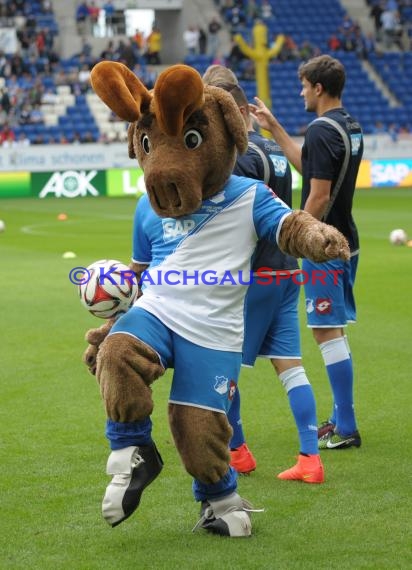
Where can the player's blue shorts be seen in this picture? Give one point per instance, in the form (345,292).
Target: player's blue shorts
(203,377)
(271,319)
(330,302)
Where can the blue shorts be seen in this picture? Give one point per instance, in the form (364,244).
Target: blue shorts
(203,377)
(330,302)
(271,320)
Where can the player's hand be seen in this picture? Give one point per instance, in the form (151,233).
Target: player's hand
(95,337)
(262,115)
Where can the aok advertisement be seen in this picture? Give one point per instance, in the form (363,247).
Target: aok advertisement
(69,184)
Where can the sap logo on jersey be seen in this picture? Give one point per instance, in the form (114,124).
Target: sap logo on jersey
(356,140)
(280,163)
(173,229)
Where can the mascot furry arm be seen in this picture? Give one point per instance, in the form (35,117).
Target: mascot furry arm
(185,136)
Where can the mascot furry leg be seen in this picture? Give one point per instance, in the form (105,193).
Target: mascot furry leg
(126,367)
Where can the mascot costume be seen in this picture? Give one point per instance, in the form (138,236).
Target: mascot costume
(194,235)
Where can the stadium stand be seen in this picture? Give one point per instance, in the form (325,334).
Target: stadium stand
(311,30)
(46,98)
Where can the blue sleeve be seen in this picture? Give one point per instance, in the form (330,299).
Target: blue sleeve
(142,251)
(269,212)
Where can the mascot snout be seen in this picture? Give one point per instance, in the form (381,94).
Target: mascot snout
(172,193)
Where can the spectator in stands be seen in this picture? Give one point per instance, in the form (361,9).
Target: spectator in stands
(289,50)
(24,114)
(334,43)
(46,7)
(5,100)
(364,45)
(252,12)
(213,40)
(307,50)
(87,137)
(236,19)
(266,10)
(127,53)
(137,42)
(235,57)
(154,46)
(84,76)
(94,12)
(108,17)
(109,52)
(82,18)
(391,28)
(49,97)
(376,12)
(17,64)
(191,40)
(6,133)
(39,139)
(36,115)
(202,41)
(22,140)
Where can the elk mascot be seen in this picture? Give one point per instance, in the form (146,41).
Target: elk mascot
(194,235)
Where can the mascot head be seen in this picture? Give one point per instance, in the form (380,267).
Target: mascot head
(184,134)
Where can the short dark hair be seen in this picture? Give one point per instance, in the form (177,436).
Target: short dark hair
(327,71)
(236,91)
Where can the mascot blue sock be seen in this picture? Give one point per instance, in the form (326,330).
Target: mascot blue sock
(125,434)
(225,486)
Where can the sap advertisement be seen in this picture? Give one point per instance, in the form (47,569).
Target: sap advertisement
(385,173)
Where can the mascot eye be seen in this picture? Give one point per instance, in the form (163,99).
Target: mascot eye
(145,142)
(193,139)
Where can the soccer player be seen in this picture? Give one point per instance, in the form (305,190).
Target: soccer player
(271,316)
(329,162)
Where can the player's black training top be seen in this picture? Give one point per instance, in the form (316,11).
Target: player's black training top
(251,165)
(323,153)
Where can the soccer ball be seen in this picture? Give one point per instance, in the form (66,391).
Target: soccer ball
(109,288)
(398,237)
(2,226)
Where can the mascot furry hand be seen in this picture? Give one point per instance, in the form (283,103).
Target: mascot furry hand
(195,231)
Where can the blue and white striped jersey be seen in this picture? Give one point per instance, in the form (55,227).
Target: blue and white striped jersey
(200,264)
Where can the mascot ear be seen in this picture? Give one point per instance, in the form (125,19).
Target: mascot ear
(178,91)
(232,116)
(120,89)
(130,145)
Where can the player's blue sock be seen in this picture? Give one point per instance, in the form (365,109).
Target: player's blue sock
(339,367)
(125,434)
(333,415)
(303,406)
(235,421)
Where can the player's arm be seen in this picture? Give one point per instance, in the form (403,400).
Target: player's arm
(318,198)
(266,120)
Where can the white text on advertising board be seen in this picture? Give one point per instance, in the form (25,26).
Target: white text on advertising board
(70,184)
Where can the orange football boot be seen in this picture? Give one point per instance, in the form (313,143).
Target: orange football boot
(308,469)
(242,460)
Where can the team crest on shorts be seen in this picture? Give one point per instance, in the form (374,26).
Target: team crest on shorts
(309,306)
(323,306)
(221,384)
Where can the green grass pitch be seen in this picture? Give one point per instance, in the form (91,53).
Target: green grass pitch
(53,449)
